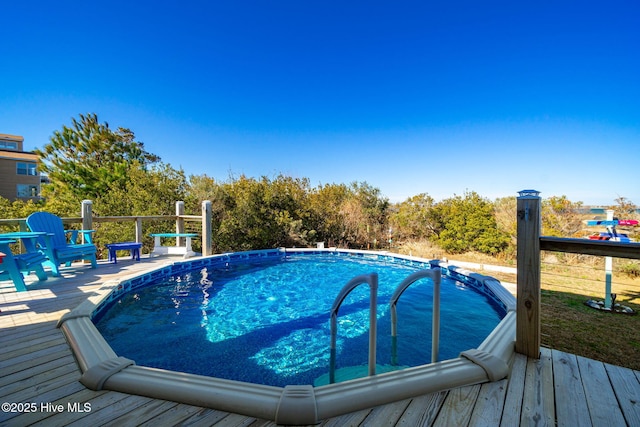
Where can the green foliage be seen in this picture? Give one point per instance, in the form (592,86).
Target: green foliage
(504,210)
(626,209)
(199,188)
(251,214)
(147,192)
(257,214)
(468,224)
(87,159)
(631,269)
(326,216)
(90,161)
(17,209)
(561,217)
(413,219)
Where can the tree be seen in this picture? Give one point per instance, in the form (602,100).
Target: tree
(468,224)
(17,209)
(152,191)
(199,189)
(88,158)
(350,216)
(505,213)
(412,219)
(326,218)
(373,218)
(561,217)
(257,214)
(626,209)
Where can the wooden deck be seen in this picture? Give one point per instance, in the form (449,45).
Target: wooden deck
(39,376)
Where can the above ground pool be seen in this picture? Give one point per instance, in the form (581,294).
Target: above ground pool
(250,332)
(266,320)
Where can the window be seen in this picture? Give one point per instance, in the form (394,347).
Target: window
(9,145)
(27,190)
(26,169)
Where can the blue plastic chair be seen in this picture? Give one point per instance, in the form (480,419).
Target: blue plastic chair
(55,245)
(12,266)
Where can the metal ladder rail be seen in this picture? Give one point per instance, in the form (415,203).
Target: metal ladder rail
(436,275)
(372,280)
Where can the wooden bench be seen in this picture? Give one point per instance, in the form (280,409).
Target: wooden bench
(185,250)
(132,247)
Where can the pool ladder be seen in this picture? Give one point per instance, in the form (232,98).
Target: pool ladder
(372,280)
(436,275)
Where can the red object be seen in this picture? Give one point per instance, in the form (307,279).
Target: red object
(1,257)
(599,237)
(628,222)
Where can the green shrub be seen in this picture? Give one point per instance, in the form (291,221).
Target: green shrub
(631,269)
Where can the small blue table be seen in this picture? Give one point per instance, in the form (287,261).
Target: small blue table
(133,247)
(13,266)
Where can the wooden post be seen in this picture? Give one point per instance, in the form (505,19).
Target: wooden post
(179,222)
(87,216)
(139,230)
(207,241)
(528,287)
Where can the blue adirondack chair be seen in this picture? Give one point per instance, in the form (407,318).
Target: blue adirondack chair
(55,245)
(12,266)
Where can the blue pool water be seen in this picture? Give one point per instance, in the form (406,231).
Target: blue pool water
(268,322)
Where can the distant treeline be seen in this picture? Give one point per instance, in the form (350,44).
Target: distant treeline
(91,161)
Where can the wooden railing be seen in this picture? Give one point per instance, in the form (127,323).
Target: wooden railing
(88,219)
(530,243)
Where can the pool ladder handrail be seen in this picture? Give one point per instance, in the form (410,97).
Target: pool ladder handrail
(436,275)
(372,280)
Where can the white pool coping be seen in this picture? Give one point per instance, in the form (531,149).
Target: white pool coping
(103,369)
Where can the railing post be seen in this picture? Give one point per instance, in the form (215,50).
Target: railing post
(179,222)
(87,216)
(138,230)
(207,240)
(528,276)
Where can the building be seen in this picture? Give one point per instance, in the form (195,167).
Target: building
(19,176)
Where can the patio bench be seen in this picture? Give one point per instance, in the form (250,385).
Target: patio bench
(186,251)
(132,247)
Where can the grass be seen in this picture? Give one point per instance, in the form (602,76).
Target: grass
(567,324)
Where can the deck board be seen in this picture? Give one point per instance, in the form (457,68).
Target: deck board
(458,406)
(36,365)
(490,404)
(601,399)
(627,389)
(538,404)
(572,409)
(423,410)
(515,392)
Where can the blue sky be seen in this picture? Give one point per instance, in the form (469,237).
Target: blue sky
(411,97)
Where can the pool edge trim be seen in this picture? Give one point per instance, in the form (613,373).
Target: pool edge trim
(102,369)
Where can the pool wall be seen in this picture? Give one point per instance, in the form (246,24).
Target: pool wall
(103,369)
